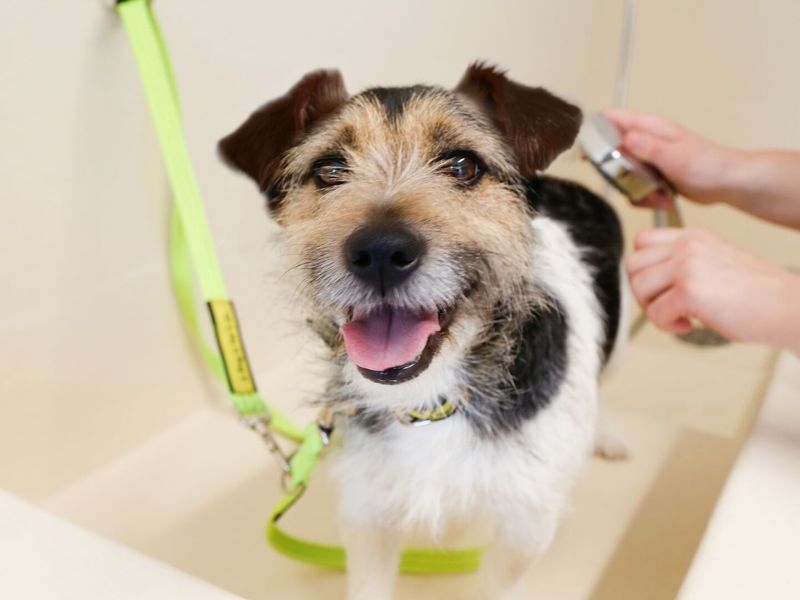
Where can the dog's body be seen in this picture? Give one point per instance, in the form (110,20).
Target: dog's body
(442,270)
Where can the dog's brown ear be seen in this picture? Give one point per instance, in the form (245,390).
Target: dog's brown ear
(537,125)
(257,145)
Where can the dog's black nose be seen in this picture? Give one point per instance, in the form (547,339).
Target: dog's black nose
(384,254)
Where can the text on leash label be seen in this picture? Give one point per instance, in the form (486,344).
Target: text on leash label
(229,339)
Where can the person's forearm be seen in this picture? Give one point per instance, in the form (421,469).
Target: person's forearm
(766,184)
(789,336)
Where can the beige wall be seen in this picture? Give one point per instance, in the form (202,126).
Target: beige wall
(93,358)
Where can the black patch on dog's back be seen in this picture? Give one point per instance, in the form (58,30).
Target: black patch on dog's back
(394,99)
(535,374)
(596,229)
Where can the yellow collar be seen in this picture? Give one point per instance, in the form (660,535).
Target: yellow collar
(425,417)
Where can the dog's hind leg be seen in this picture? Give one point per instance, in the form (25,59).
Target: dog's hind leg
(373,553)
(609,443)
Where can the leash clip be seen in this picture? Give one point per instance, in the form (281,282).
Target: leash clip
(260,424)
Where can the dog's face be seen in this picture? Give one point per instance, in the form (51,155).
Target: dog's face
(404,206)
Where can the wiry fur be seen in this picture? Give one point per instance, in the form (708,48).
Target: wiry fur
(530,267)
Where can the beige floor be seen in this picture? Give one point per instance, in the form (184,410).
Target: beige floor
(197,495)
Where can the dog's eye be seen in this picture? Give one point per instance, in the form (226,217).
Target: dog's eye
(464,166)
(329,171)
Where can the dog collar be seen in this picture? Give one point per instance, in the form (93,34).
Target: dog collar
(418,418)
(414,418)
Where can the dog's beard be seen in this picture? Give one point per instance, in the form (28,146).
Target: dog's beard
(393,338)
(391,345)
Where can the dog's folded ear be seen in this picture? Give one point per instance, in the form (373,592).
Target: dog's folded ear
(537,125)
(257,146)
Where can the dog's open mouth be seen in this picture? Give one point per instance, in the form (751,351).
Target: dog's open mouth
(391,344)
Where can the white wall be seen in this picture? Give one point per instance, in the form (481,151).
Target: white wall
(93,357)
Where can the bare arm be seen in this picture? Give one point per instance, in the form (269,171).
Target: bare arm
(764,183)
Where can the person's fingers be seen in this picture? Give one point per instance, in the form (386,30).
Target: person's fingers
(681,326)
(670,312)
(649,148)
(648,283)
(657,236)
(652,124)
(647,257)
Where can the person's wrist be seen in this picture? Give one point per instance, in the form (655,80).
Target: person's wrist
(739,177)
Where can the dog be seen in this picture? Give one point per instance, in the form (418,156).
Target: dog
(469,303)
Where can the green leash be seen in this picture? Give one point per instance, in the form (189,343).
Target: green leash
(191,253)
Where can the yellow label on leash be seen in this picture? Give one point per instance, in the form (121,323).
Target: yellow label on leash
(226,328)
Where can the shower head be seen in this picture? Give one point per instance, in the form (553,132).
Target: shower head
(602,145)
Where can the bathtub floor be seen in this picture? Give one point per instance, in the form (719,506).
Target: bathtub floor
(197,495)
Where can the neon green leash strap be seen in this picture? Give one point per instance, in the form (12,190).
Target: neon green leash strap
(191,246)
(190,240)
(415,561)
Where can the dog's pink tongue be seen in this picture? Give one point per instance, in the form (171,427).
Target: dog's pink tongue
(388,337)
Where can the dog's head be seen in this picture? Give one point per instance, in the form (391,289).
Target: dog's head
(405,206)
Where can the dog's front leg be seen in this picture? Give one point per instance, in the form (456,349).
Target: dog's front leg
(373,552)
(519,541)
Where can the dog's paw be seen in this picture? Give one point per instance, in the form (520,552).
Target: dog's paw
(610,446)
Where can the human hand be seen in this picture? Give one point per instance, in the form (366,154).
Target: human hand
(698,168)
(682,274)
